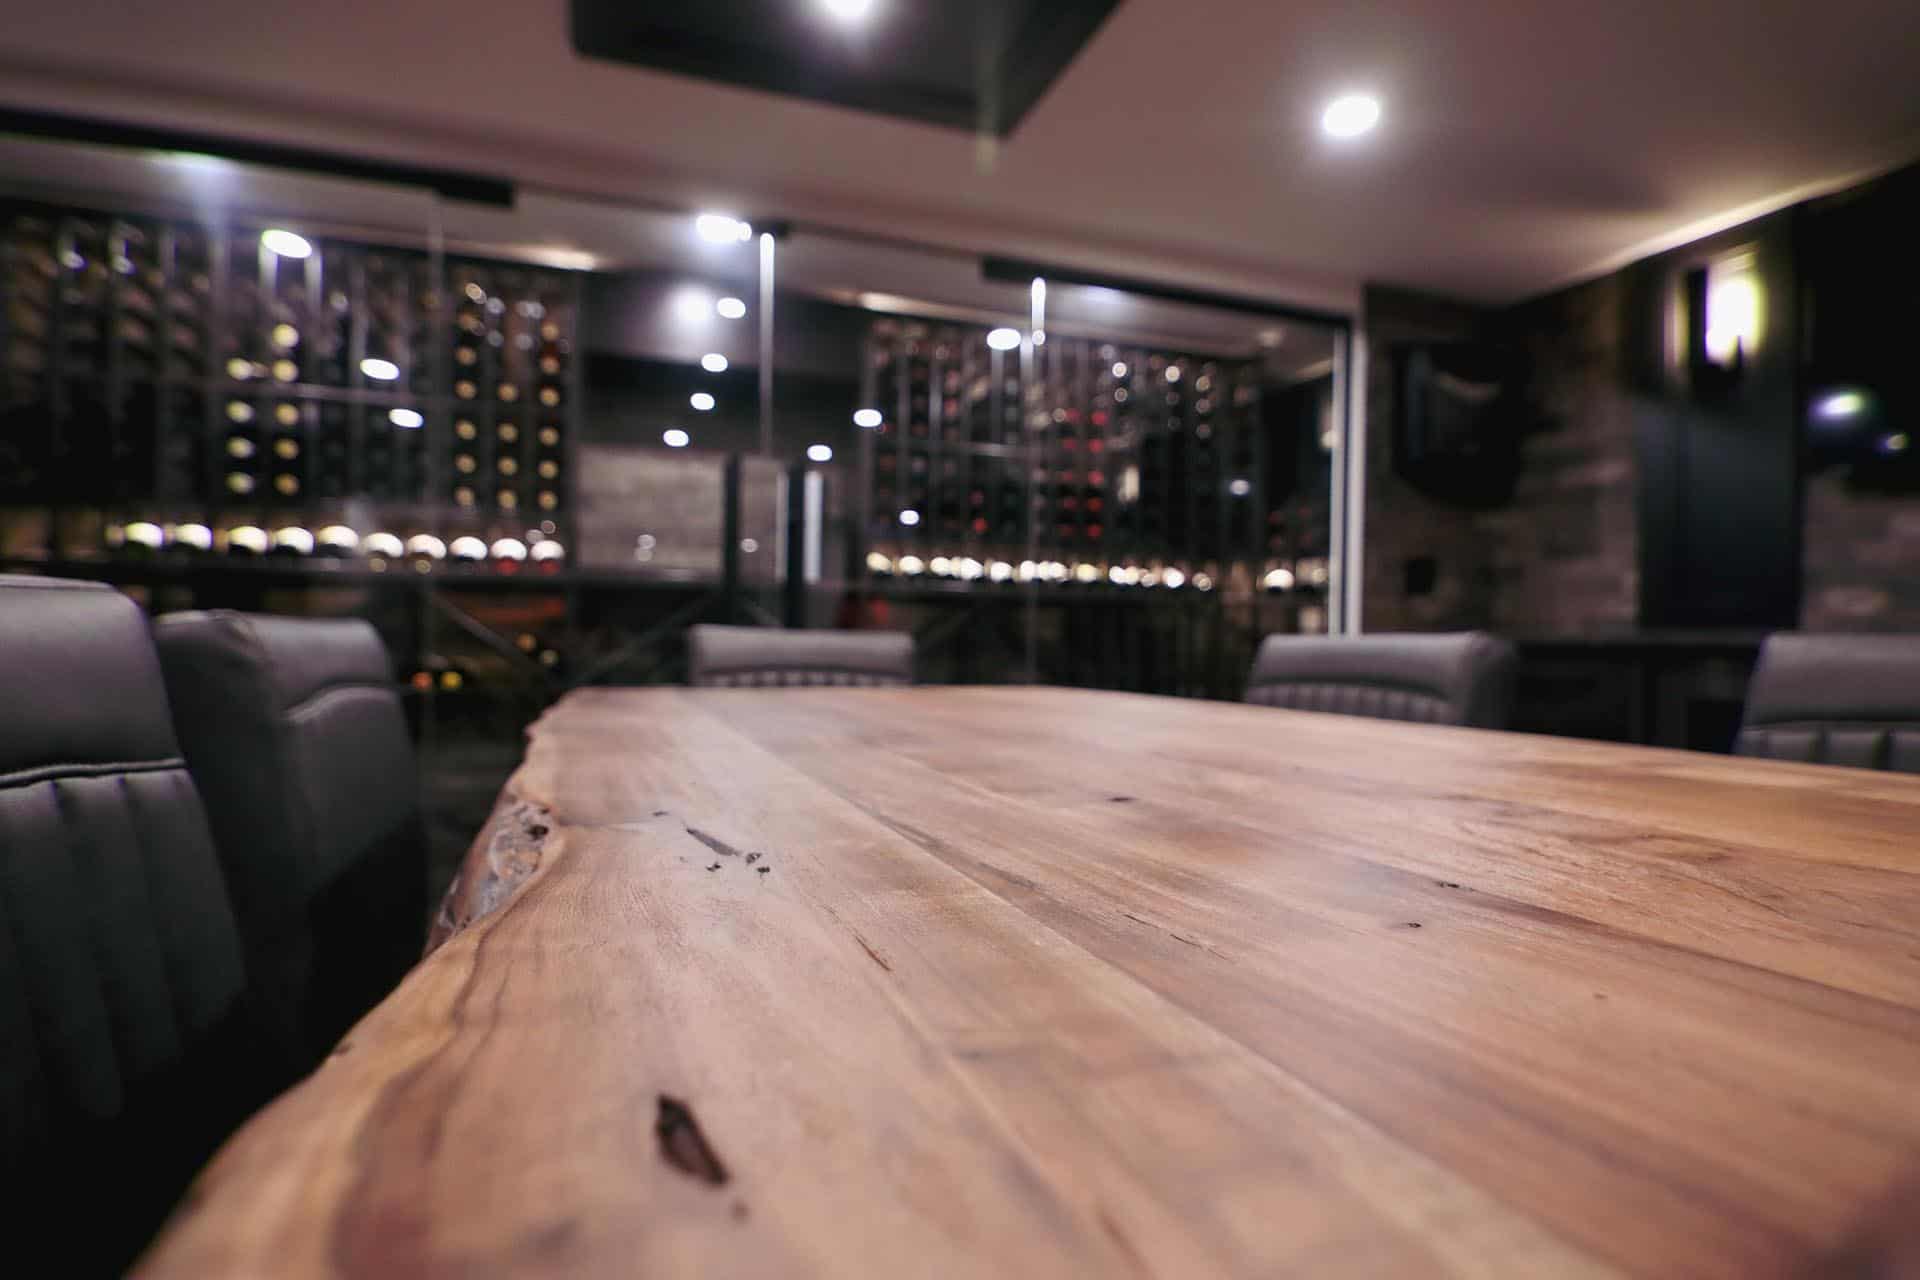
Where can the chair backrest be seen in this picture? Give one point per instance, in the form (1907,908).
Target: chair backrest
(296,736)
(770,656)
(126,1051)
(1464,678)
(1827,699)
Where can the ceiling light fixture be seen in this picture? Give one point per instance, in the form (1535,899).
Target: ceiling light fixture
(868,418)
(909,517)
(409,418)
(701,401)
(1350,115)
(730,308)
(1004,339)
(1840,406)
(675,438)
(848,10)
(713,362)
(722,228)
(380,370)
(820,453)
(285,243)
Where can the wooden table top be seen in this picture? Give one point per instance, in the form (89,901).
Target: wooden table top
(1039,982)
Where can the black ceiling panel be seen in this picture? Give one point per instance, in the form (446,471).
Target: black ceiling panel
(968,64)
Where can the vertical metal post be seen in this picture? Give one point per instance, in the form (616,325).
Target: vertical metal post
(1031,454)
(1337,565)
(794,597)
(766,344)
(730,538)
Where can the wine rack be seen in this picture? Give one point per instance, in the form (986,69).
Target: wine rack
(1081,462)
(201,380)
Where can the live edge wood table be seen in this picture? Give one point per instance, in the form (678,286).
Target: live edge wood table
(1029,982)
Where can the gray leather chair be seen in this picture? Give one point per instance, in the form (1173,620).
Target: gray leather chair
(1833,699)
(766,656)
(294,732)
(1464,678)
(127,1050)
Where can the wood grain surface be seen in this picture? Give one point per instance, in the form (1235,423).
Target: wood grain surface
(1032,982)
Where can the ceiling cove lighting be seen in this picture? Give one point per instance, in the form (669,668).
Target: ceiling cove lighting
(820,453)
(675,438)
(868,418)
(701,401)
(713,362)
(722,228)
(1004,339)
(1350,115)
(285,243)
(380,370)
(730,308)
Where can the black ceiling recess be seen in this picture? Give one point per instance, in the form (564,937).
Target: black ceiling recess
(968,64)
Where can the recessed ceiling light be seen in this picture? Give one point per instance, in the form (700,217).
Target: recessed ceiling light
(868,418)
(820,453)
(675,438)
(722,228)
(713,362)
(1840,406)
(730,308)
(909,517)
(1004,339)
(405,417)
(1351,115)
(380,370)
(286,243)
(848,10)
(701,400)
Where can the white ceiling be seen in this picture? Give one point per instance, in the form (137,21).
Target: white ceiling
(1526,143)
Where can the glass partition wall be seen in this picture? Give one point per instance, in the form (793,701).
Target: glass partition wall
(533,439)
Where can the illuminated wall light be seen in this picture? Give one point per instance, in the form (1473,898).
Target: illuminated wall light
(909,517)
(1203,582)
(383,544)
(548,550)
(999,571)
(1086,573)
(1004,339)
(730,308)
(722,228)
(942,567)
(426,546)
(411,419)
(1174,578)
(1898,442)
(247,537)
(877,562)
(195,536)
(819,453)
(1028,571)
(848,10)
(972,570)
(145,533)
(338,537)
(508,549)
(693,306)
(867,418)
(713,362)
(1279,580)
(468,548)
(1120,369)
(1149,577)
(295,539)
(912,566)
(675,438)
(1240,486)
(1117,575)
(1733,311)
(1840,406)
(380,370)
(1350,115)
(285,243)
(701,401)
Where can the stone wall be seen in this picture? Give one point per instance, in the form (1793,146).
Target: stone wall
(1861,558)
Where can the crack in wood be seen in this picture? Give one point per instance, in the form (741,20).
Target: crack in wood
(875,956)
(684,1146)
